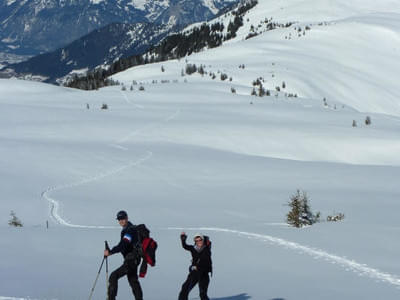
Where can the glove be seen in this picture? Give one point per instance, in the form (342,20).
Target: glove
(183,237)
(192,268)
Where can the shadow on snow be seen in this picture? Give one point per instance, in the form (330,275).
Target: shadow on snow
(241,297)
(237,297)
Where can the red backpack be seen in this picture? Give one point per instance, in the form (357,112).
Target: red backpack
(148,248)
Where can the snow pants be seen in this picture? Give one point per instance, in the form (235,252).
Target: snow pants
(194,278)
(129,268)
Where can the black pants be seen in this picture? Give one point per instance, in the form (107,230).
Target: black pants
(193,278)
(128,268)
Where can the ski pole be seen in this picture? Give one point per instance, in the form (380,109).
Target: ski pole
(107,281)
(97,277)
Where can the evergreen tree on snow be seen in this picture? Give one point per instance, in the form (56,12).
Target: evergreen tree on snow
(294,216)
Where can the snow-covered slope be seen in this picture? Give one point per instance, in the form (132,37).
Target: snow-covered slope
(187,154)
(345,51)
(192,156)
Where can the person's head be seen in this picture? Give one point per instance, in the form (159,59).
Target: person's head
(122,218)
(199,240)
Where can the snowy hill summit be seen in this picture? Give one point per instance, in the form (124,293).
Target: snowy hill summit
(346,51)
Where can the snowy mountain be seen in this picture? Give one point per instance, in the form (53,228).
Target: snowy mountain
(100,47)
(107,44)
(37,26)
(186,148)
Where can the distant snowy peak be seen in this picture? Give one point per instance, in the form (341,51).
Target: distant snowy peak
(118,39)
(37,26)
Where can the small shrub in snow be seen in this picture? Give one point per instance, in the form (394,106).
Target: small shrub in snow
(224,76)
(268,93)
(131,87)
(257,82)
(354,123)
(278,89)
(368,120)
(283,85)
(190,69)
(14,221)
(233,90)
(134,82)
(201,70)
(162,69)
(213,76)
(253,92)
(335,217)
(141,88)
(123,88)
(104,106)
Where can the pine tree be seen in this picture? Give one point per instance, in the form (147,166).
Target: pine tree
(300,213)
(307,217)
(294,215)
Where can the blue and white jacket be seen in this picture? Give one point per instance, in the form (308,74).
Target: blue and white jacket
(129,239)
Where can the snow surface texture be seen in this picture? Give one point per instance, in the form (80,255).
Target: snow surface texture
(186,154)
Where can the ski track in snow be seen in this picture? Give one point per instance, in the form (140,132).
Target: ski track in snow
(55,205)
(13,298)
(146,128)
(347,264)
(130,102)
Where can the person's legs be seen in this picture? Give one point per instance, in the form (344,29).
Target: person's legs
(204,281)
(188,285)
(134,282)
(113,281)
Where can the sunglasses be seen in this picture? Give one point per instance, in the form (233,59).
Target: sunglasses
(198,240)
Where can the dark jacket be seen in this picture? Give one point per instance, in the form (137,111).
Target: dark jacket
(202,259)
(129,238)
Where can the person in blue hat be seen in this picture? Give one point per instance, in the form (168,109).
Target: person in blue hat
(127,247)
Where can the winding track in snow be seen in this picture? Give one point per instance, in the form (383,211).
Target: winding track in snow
(55,205)
(348,264)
